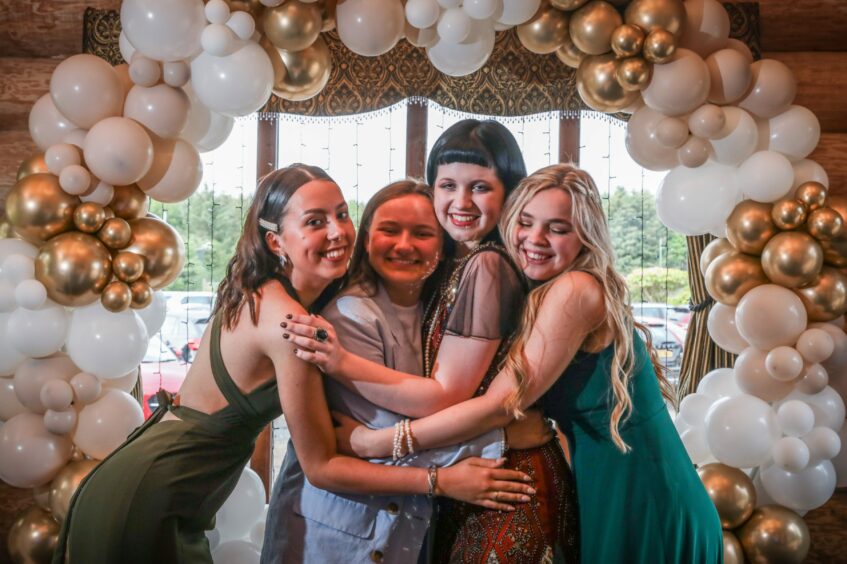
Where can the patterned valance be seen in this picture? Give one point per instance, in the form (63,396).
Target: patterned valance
(514,81)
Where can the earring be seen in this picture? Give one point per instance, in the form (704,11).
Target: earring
(283,261)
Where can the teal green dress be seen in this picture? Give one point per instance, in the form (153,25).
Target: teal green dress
(153,499)
(647,506)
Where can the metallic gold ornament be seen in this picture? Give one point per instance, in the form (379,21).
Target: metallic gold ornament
(33,165)
(627,40)
(592,26)
(812,194)
(633,73)
(792,259)
(567,4)
(731,490)
(116,296)
(33,536)
(749,227)
(142,294)
(545,32)
(89,217)
(130,202)
(38,208)
(656,14)
(570,54)
(732,275)
(598,86)
(64,485)
(307,71)
(127,267)
(712,251)
(733,552)
(659,46)
(292,26)
(161,247)
(74,267)
(826,297)
(774,534)
(115,233)
(788,214)
(824,224)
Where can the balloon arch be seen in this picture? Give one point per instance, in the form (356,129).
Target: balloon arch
(78,287)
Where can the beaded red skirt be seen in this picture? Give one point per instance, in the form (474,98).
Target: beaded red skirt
(543,530)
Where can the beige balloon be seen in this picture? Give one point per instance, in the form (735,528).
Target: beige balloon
(775,534)
(792,259)
(176,171)
(65,484)
(730,76)
(732,275)
(773,87)
(749,227)
(570,54)
(161,108)
(33,165)
(74,267)
(86,89)
(732,492)
(598,86)
(545,32)
(292,26)
(788,214)
(592,26)
(162,249)
(656,14)
(307,71)
(33,537)
(118,151)
(826,298)
(37,208)
(712,251)
(679,86)
(627,40)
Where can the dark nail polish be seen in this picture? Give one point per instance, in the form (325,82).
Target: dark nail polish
(285,335)
(296,351)
(283,324)
(288,316)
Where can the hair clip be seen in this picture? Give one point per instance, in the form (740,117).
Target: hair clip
(270,226)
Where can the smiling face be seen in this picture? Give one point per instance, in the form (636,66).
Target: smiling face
(545,238)
(404,245)
(468,202)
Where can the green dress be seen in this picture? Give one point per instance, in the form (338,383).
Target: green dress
(647,506)
(154,497)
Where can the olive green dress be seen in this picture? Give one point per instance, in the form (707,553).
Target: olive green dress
(647,506)
(153,499)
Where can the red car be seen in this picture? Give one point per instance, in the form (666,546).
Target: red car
(160,369)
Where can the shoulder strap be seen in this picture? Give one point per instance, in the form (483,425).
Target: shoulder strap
(222,378)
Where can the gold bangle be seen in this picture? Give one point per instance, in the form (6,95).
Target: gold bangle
(432,479)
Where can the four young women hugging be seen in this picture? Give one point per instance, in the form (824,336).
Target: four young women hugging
(153,499)
(579,358)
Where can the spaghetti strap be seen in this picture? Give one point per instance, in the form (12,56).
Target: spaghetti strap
(222,378)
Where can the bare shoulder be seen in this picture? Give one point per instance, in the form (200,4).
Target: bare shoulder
(579,293)
(273,304)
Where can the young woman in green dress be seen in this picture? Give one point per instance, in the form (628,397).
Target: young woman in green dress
(579,358)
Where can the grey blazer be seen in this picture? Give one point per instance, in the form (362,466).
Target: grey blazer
(310,525)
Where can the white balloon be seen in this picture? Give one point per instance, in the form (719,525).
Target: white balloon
(823,443)
(217,11)
(794,133)
(47,125)
(426,37)
(738,138)
(214,537)
(647,135)
(125,383)
(741,431)
(87,387)
(242,24)
(422,13)
(10,405)
(719,383)
(467,57)
(105,424)
(678,86)
(827,405)
(205,129)
(176,73)
(355,22)
(218,40)
(791,454)
(10,356)
(56,395)
(815,345)
(34,373)
(482,9)
(840,460)
(9,247)
(454,26)
(693,408)
(795,418)
(752,376)
(144,71)
(235,85)
(516,12)
(106,344)
(784,363)
(814,380)
(722,329)
(257,534)
(118,151)
(30,455)
(806,170)
(102,194)
(153,316)
(161,108)
(38,333)
(126,48)
(447,4)
(694,441)
(165,30)
(242,508)
(236,552)
(805,490)
(766,176)
(838,359)
(31,294)
(769,316)
(60,422)
(691,201)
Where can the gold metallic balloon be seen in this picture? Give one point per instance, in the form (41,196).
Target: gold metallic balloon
(292,26)
(627,40)
(774,534)
(826,297)
(634,73)
(731,490)
(792,259)
(659,46)
(812,194)
(788,214)
(545,32)
(656,14)
(116,297)
(733,552)
(567,4)
(64,485)
(33,537)
(130,202)
(33,165)
(592,27)
(307,71)
(835,252)
(74,267)
(252,7)
(328,14)
(38,208)
(824,224)
(712,251)
(749,227)
(115,233)
(109,212)
(838,202)
(598,86)
(89,217)
(570,54)
(142,294)
(732,275)
(161,247)
(127,267)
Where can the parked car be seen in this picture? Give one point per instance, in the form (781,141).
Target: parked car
(680,315)
(178,300)
(669,342)
(160,369)
(183,330)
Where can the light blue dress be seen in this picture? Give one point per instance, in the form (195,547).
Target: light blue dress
(310,525)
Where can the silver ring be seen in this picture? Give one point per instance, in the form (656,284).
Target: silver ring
(321,335)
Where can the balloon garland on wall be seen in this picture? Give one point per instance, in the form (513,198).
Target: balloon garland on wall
(78,297)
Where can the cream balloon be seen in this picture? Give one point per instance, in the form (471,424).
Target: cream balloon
(516,12)
(161,108)
(772,91)
(86,387)
(769,316)
(741,430)
(691,201)
(10,405)
(814,380)
(671,132)
(694,152)
(47,125)
(706,27)
(722,329)
(60,422)
(105,424)
(707,121)
(766,176)
(175,174)
(86,89)
(38,333)
(235,85)
(794,133)
(815,345)
(644,140)
(753,377)
(738,138)
(464,58)
(118,151)
(784,363)
(144,71)
(827,405)
(355,24)
(164,30)
(678,86)
(800,491)
(34,373)
(423,13)
(176,73)
(808,170)
(795,418)
(61,155)
(791,454)
(106,344)
(10,357)
(125,383)
(729,76)
(30,455)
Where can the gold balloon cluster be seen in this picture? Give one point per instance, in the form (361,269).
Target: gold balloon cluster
(770,533)
(87,251)
(613,52)
(291,37)
(798,242)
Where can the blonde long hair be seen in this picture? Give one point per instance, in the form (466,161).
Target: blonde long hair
(595,258)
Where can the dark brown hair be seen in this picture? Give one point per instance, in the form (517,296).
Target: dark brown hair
(254,263)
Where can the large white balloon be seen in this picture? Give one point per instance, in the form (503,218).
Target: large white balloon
(738,138)
(165,30)
(10,356)
(235,85)
(827,405)
(679,86)
(86,89)
(516,12)
(766,176)
(719,383)
(34,373)
(40,332)
(721,326)
(161,108)
(741,431)
(118,151)
(806,170)
(47,125)
(105,424)
(9,247)
(242,508)
(30,455)
(369,27)
(645,139)
(106,344)
(693,408)
(794,133)
(692,201)
(205,129)
(801,491)
(769,316)
(467,57)
(795,418)
(153,316)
